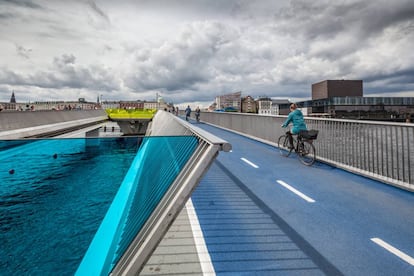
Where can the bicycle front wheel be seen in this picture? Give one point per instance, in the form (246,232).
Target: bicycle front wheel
(306,153)
(283,144)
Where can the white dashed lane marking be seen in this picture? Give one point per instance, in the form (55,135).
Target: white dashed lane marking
(250,163)
(290,188)
(394,250)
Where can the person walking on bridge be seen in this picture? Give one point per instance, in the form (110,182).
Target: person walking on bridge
(296,118)
(187,113)
(197,114)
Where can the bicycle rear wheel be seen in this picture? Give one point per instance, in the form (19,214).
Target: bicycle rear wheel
(283,145)
(306,153)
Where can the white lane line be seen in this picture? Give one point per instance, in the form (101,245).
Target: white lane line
(250,163)
(202,251)
(302,195)
(394,250)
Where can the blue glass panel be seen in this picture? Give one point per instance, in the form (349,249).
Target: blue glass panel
(167,156)
(157,164)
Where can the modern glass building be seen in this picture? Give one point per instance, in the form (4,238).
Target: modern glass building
(360,108)
(344,99)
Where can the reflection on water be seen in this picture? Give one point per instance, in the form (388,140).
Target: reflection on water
(53,195)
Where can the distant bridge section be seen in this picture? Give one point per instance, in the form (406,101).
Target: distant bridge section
(132,121)
(24,124)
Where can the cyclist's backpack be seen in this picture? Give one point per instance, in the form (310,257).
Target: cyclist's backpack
(309,134)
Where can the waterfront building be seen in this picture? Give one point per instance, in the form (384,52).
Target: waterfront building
(344,99)
(48,105)
(131,104)
(58,105)
(212,107)
(109,104)
(264,106)
(83,104)
(364,108)
(13,98)
(229,100)
(276,105)
(248,105)
(10,105)
(337,88)
(150,105)
(160,104)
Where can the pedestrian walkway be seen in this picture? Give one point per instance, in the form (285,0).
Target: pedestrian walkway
(263,214)
(177,252)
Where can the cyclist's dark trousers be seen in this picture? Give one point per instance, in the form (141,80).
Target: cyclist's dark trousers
(290,138)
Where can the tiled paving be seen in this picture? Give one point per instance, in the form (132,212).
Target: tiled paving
(177,253)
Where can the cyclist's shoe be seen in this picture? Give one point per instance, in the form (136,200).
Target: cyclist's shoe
(303,152)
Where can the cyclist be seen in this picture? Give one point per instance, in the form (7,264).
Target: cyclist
(296,118)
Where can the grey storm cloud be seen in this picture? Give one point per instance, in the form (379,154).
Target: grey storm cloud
(23,52)
(22,3)
(324,41)
(64,73)
(192,50)
(313,19)
(204,52)
(179,64)
(97,10)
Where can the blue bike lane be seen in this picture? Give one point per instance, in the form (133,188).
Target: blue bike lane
(262,213)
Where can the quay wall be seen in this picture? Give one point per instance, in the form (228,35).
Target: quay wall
(380,150)
(22,119)
(19,124)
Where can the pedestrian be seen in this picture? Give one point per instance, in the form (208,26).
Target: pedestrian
(187,113)
(197,114)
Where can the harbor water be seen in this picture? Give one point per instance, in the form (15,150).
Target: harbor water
(54,194)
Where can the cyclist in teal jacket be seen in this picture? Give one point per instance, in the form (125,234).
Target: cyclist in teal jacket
(296,118)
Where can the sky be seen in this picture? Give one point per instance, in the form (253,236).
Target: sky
(190,51)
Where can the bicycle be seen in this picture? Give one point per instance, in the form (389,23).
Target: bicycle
(302,145)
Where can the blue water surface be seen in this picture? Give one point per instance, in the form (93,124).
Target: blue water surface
(54,194)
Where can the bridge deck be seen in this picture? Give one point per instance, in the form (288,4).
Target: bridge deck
(264,214)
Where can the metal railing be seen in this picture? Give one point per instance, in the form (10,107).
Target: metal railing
(171,161)
(380,150)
